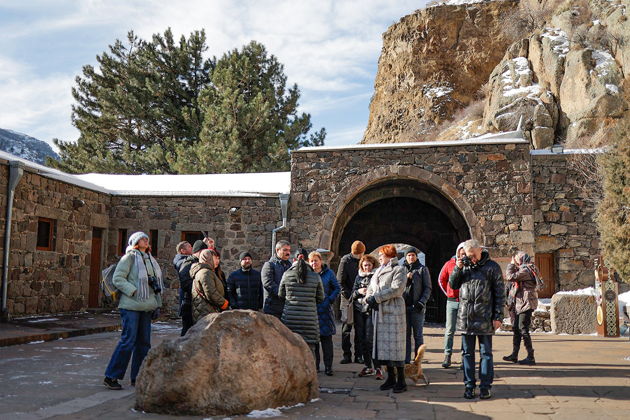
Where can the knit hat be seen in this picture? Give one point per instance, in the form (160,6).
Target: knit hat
(199,245)
(135,237)
(243,255)
(411,249)
(357,248)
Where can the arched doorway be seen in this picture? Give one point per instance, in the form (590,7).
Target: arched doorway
(404,211)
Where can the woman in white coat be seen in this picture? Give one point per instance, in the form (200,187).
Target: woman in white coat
(384,296)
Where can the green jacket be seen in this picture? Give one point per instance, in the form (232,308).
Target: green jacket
(126,280)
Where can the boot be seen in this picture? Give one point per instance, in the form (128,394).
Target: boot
(401,385)
(391,379)
(447,361)
(512,357)
(529,360)
(516,345)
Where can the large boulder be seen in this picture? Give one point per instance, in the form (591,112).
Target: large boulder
(228,363)
(573,314)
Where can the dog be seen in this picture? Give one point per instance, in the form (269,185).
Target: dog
(413,370)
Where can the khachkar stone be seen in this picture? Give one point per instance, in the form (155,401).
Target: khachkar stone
(227,364)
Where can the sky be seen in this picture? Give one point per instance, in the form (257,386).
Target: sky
(329,48)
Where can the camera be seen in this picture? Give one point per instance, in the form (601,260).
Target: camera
(466,261)
(155,285)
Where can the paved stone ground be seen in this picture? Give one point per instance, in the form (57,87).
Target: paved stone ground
(577,377)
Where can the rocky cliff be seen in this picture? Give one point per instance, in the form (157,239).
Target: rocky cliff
(564,74)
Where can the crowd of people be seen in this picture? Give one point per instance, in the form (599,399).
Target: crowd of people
(383,300)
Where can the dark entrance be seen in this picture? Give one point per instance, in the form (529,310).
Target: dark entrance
(405,211)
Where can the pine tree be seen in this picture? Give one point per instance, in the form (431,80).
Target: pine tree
(613,216)
(139,107)
(251,120)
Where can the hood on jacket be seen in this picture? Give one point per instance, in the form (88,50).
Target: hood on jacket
(197,267)
(364,274)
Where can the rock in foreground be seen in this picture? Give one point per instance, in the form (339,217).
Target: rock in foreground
(228,363)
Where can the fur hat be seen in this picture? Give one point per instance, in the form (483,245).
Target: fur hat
(135,237)
(199,245)
(243,255)
(357,248)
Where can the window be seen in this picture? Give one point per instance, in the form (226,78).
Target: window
(122,241)
(45,234)
(191,236)
(153,240)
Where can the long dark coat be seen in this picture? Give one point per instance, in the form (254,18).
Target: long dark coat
(300,303)
(324,309)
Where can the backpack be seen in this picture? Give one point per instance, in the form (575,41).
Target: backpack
(107,283)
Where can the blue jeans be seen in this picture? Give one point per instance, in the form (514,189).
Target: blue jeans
(449,330)
(415,323)
(486,366)
(135,339)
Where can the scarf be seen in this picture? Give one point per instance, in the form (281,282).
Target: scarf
(143,276)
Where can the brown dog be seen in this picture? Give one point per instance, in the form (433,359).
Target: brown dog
(413,371)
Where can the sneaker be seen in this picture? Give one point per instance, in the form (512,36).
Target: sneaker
(359,360)
(346,360)
(112,383)
(366,371)
(328,372)
(379,374)
(469,393)
(484,393)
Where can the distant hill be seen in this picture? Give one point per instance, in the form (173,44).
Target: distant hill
(26,147)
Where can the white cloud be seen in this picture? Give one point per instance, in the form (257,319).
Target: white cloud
(349,136)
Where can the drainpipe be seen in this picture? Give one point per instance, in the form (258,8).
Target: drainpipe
(16,170)
(284,202)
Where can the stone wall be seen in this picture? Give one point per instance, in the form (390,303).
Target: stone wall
(57,280)
(564,219)
(248,228)
(489,184)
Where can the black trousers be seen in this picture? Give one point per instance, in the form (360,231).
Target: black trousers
(364,330)
(346,332)
(187,318)
(521,325)
(326,342)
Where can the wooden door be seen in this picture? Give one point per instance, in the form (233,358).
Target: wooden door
(95,267)
(546,266)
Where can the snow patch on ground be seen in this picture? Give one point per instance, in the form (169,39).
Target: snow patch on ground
(36,342)
(271,412)
(43,320)
(558,39)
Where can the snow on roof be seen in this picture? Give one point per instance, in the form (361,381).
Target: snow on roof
(240,185)
(509,137)
(220,185)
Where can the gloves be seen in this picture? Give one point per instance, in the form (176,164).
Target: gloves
(372,303)
(419,307)
(155,314)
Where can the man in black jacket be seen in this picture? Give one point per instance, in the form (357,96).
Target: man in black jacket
(481,298)
(271,274)
(346,274)
(244,285)
(185,285)
(416,294)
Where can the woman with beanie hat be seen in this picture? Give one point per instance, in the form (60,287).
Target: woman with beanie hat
(139,279)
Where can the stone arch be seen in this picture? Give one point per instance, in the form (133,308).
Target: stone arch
(357,184)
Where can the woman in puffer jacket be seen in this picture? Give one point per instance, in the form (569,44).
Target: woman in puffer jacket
(363,314)
(522,301)
(139,279)
(208,294)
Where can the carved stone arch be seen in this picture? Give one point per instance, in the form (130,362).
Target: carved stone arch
(358,184)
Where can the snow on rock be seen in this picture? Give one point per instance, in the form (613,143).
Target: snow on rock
(590,291)
(604,63)
(455,2)
(558,39)
(436,92)
(517,79)
(272,412)
(612,89)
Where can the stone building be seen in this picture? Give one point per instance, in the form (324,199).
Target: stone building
(66,228)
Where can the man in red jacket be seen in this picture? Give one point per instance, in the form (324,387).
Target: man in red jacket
(452,304)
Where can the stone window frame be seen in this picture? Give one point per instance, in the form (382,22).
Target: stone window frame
(121,245)
(185,235)
(153,241)
(52,229)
